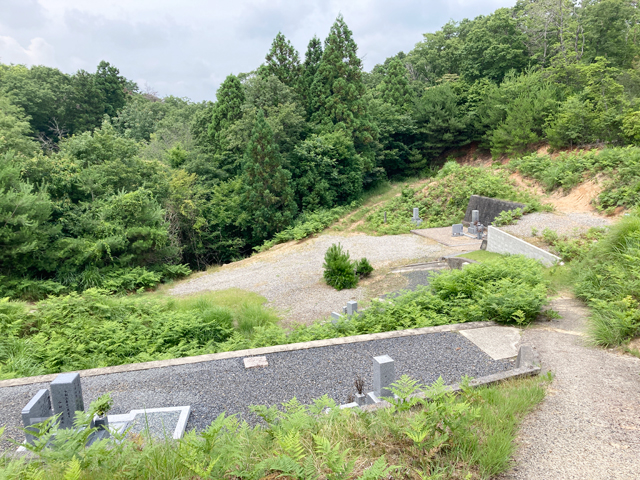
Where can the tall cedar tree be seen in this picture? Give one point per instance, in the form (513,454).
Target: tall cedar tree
(395,86)
(226,111)
(338,90)
(283,61)
(109,81)
(309,69)
(268,198)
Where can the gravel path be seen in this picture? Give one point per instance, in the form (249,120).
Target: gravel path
(225,385)
(562,223)
(588,426)
(290,275)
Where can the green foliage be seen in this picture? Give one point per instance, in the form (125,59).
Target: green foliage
(444,201)
(101,405)
(283,62)
(268,196)
(307,224)
(507,217)
(609,280)
(566,170)
(338,268)
(363,268)
(307,442)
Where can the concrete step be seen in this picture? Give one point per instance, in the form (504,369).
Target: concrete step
(421,267)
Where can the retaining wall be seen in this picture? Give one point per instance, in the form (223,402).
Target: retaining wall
(501,242)
(489,208)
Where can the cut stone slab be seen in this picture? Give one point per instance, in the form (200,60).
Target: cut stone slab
(497,342)
(253,362)
(160,423)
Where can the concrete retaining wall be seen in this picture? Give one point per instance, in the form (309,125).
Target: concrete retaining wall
(501,242)
(489,208)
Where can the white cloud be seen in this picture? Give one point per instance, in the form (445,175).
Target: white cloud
(39,52)
(187,47)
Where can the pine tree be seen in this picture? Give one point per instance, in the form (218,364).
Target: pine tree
(283,61)
(268,197)
(226,110)
(311,63)
(338,90)
(395,86)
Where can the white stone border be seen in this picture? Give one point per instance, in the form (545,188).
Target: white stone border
(133,367)
(120,422)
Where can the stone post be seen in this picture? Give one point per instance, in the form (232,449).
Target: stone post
(384,374)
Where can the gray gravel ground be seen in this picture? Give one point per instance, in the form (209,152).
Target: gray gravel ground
(588,426)
(290,276)
(562,223)
(224,385)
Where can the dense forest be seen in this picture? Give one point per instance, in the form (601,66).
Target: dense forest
(105,185)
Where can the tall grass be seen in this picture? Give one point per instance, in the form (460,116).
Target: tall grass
(608,278)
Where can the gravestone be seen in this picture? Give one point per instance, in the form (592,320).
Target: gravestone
(384,373)
(36,411)
(457,230)
(66,397)
(416,217)
(352,307)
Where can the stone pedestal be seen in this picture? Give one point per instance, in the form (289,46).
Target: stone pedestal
(384,374)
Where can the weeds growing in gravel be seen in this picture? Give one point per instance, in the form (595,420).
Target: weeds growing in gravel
(468,436)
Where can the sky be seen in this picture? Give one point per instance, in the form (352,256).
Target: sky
(186,48)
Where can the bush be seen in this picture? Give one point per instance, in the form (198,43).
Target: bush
(608,278)
(338,268)
(507,217)
(363,268)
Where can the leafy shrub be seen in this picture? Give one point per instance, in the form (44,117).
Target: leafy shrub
(609,280)
(338,268)
(363,268)
(307,224)
(507,217)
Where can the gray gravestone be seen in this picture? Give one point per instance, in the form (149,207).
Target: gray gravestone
(336,316)
(475,216)
(384,373)
(37,410)
(457,230)
(352,307)
(416,214)
(66,397)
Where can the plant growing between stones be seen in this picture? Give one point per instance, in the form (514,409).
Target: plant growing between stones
(101,405)
(359,384)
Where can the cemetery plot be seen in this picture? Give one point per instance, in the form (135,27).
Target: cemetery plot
(218,386)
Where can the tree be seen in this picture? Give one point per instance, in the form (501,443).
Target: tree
(24,215)
(108,80)
(85,106)
(328,171)
(268,196)
(493,46)
(611,29)
(338,91)
(283,62)
(309,69)
(395,85)
(15,131)
(226,110)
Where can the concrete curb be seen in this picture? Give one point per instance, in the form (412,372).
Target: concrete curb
(133,367)
(521,372)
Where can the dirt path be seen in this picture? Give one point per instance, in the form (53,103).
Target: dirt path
(588,427)
(290,275)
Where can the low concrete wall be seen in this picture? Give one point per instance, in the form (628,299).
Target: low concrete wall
(501,242)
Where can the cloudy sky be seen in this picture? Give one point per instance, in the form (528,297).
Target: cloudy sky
(187,47)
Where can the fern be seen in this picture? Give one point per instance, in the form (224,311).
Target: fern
(73,471)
